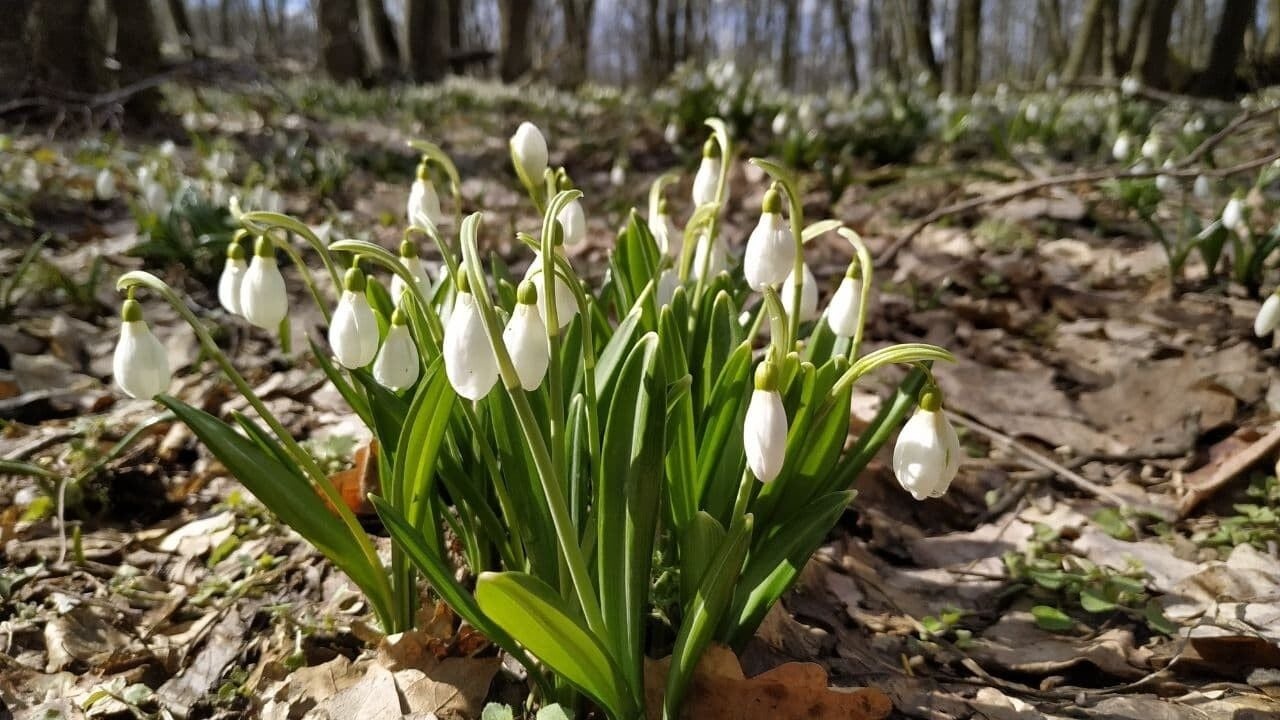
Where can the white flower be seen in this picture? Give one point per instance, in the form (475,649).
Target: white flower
(423,208)
(574,222)
(1151,148)
(1121,148)
(764,430)
(156,198)
(668,281)
(353,329)
(526,339)
(1202,188)
(529,149)
(671,133)
(1268,316)
(566,302)
(411,262)
(469,362)
(1166,183)
(1233,215)
(707,178)
(780,123)
(718,262)
(104,186)
(618,175)
(808,295)
(927,455)
(397,365)
(663,230)
(263,298)
(842,313)
(771,249)
(1130,85)
(141,365)
(232,278)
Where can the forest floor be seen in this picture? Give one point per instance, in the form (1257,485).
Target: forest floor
(1109,549)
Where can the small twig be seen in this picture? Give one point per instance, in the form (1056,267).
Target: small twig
(1182,170)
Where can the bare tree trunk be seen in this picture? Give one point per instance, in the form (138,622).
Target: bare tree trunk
(426,39)
(844,17)
(966,67)
(920,19)
(340,52)
(672,54)
(456,17)
(1129,34)
(514,61)
(15,48)
(1085,50)
(1151,55)
(138,52)
(1110,38)
(1049,21)
(1271,41)
(268,27)
(577,32)
(787,64)
(224,22)
(383,34)
(182,23)
(1218,79)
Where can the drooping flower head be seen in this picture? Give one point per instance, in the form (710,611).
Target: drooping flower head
(927,455)
(1233,215)
(353,329)
(708,175)
(566,301)
(526,338)
(411,262)
(104,186)
(397,365)
(764,430)
(1268,318)
(264,300)
(662,228)
(572,219)
(771,249)
(469,360)
(808,294)
(423,209)
(843,312)
(232,277)
(140,364)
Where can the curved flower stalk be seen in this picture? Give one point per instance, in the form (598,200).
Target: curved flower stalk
(353,331)
(141,364)
(526,338)
(927,454)
(786,181)
(232,277)
(764,431)
(397,366)
(264,301)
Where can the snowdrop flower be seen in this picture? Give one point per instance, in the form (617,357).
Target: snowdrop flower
(662,228)
(155,197)
(411,262)
(1151,148)
(808,295)
(708,175)
(353,330)
(1233,214)
(140,365)
(232,277)
(780,123)
(771,249)
(764,430)
(1121,148)
(263,298)
(529,148)
(469,361)
(718,261)
(1268,315)
(397,365)
(1130,85)
(843,312)
(671,133)
(927,455)
(574,221)
(668,281)
(104,186)
(1202,188)
(566,301)
(526,338)
(423,208)
(618,175)
(1166,183)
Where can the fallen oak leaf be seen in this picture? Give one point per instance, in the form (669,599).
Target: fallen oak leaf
(721,691)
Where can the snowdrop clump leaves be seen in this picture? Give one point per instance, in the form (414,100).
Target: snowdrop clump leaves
(695,407)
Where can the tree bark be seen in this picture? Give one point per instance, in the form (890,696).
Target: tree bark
(1130,32)
(138,52)
(1085,50)
(62,49)
(341,54)
(920,19)
(1110,38)
(966,68)
(1271,41)
(182,23)
(514,60)
(383,34)
(427,38)
(1151,54)
(1218,78)
(456,9)
(844,18)
(577,33)
(1049,21)
(787,63)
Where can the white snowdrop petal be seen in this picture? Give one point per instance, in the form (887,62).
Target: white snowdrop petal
(526,339)
(764,434)
(705,181)
(140,364)
(574,221)
(927,454)
(469,361)
(566,301)
(229,284)
(842,313)
(719,260)
(397,365)
(1268,316)
(808,295)
(264,300)
(419,273)
(530,150)
(423,208)
(353,331)
(770,253)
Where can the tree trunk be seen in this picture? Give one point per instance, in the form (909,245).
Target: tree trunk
(138,52)
(1085,50)
(268,28)
(787,63)
(1110,38)
(456,17)
(1151,54)
(224,22)
(1271,41)
(182,23)
(383,34)
(340,52)
(1218,79)
(920,18)
(1129,35)
(672,54)
(577,34)
(1049,21)
(427,38)
(15,71)
(844,18)
(514,59)
(966,65)
(62,48)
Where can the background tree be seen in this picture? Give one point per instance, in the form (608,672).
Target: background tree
(1219,77)
(966,61)
(577,35)
(514,59)
(427,39)
(340,52)
(381,34)
(1151,51)
(63,47)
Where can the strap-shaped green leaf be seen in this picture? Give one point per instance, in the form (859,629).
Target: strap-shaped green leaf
(529,610)
(414,469)
(700,540)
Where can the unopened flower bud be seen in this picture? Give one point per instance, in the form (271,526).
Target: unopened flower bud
(529,150)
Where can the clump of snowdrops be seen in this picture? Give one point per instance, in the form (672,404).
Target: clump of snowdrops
(632,470)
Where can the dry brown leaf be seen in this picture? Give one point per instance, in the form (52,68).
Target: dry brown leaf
(720,691)
(1016,643)
(1228,459)
(84,633)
